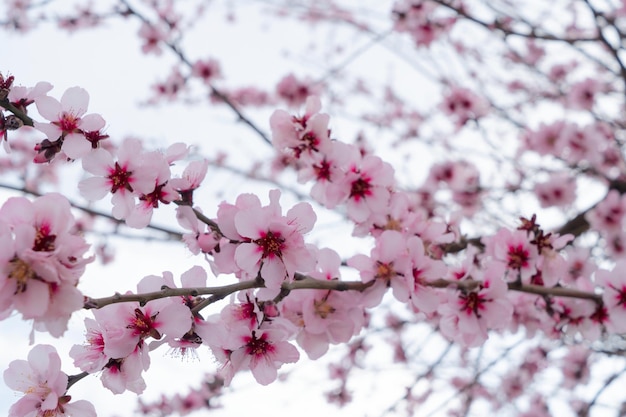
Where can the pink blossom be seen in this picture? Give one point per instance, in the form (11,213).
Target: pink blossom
(327,317)
(78,133)
(366,187)
(22,97)
(575,317)
(326,170)
(419,272)
(171,87)
(576,366)
(117,339)
(249,96)
(152,36)
(469,314)
(130,175)
(559,191)
(40,261)
(244,336)
(125,373)
(195,277)
(302,135)
(457,175)
(271,244)
(547,139)
(190,180)
(614,295)
(90,357)
(246,312)
(608,215)
(463,105)
(582,144)
(583,93)
(295,92)
(162,192)
(207,70)
(551,265)
(534,52)
(127,325)
(263,351)
(386,265)
(324,317)
(559,72)
(514,250)
(44,385)
(200,238)
(419,21)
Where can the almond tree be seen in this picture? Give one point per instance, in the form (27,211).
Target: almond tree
(474,196)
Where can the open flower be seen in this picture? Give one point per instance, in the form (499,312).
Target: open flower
(70,129)
(271,244)
(44,385)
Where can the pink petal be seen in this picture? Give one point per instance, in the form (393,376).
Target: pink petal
(303,215)
(94,188)
(75,100)
(49,108)
(248,256)
(250,223)
(92,122)
(99,162)
(34,301)
(76,145)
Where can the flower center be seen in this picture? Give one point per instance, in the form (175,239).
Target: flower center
(68,123)
(155,196)
(258,347)
(144,325)
(518,257)
(322,170)
(471,303)
(309,143)
(385,271)
(120,178)
(21,272)
(322,308)
(360,188)
(272,244)
(44,240)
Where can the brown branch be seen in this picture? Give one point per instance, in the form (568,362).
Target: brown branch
(217,293)
(304,282)
(5,103)
(527,288)
(204,219)
(165,292)
(72,379)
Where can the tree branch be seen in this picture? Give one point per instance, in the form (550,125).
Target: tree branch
(217,293)
(6,104)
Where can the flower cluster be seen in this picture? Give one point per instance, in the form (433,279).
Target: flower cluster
(259,241)
(41,261)
(117,340)
(44,385)
(250,334)
(42,258)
